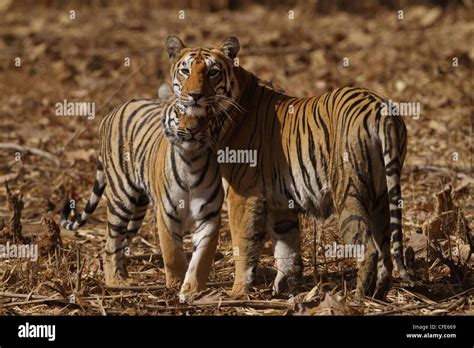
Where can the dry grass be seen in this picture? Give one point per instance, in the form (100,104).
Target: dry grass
(82,60)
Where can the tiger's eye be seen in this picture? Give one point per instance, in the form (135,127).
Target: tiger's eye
(214,73)
(184,71)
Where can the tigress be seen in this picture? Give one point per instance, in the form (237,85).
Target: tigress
(163,152)
(335,152)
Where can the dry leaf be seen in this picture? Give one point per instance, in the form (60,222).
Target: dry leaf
(208,296)
(5,5)
(450,219)
(80,155)
(419,243)
(330,305)
(464,183)
(334,305)
(430,17)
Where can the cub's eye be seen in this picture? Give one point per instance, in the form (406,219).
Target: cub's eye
(214,73)
(184,71)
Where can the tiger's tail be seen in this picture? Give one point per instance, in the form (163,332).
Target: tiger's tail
(92,203)
(392,135)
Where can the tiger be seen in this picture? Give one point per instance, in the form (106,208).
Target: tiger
(162,152)
(333,153)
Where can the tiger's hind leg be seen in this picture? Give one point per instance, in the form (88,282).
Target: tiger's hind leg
(285,235)
(367,273)
(120,211)
(356,228)
(135,222)
(381,237)
(138,216)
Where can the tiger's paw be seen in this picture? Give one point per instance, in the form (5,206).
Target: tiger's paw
(174,282)
(288,284)
(117,281)
(186,297)
(239,290)
(188,292)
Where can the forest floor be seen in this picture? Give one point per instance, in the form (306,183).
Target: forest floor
(426,57)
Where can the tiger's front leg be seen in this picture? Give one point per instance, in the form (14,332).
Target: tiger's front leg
(247,219)
(205,240)
(171,244)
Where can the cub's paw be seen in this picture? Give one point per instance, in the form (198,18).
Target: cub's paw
(188,292)
(117,281)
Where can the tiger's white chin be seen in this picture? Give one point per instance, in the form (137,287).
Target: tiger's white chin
(192,146)
(196,111)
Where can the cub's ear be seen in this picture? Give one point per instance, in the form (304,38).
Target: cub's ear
(231,47)
(164,92)
(174,45)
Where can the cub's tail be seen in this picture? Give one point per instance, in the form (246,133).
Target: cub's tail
(92,203)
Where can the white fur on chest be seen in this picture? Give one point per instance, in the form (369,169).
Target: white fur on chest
(193,203)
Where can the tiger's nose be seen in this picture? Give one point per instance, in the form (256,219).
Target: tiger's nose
(196,95)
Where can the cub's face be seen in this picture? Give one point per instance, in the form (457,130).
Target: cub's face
(189,133)
(203,79)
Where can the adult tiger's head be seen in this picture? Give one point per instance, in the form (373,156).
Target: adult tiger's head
(203,78)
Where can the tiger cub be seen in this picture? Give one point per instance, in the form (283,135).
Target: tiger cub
(163,152)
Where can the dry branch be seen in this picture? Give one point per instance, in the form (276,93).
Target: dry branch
(31,150)
(227,303)
(10,176)
(136,288)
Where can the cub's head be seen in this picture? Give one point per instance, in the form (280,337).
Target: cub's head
(203,78)
(191,134)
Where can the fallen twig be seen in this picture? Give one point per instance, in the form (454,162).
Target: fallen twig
(136,288)
(10,176)
(32,150)
(227,303)
(43,297)
(400,309)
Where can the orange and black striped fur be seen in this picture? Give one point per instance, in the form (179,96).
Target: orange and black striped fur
(163,152)
(316,155)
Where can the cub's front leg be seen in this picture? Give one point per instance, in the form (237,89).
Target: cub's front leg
(205,239)
(171,244)
(205,212)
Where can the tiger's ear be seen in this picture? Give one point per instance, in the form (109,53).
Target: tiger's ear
(174,45)
(231,47)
